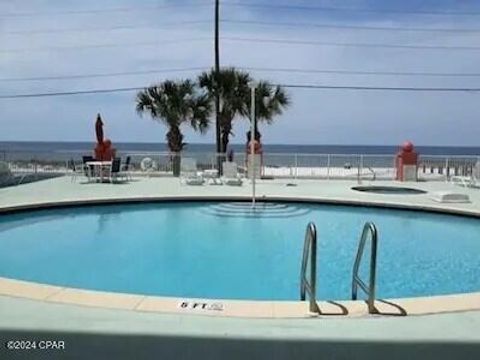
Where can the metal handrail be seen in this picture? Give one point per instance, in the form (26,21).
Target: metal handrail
(309,253)
(373,173)
(368,229)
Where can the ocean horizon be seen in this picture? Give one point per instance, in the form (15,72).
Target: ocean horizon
(49,151)
(80,147)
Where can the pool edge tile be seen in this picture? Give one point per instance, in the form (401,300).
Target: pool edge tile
(25,289)
(96,299)
(229,308)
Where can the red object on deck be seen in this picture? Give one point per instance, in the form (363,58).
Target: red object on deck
(104,151)
(257,147)
(407,156)
(257,150)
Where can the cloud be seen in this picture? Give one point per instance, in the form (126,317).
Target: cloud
(315,117)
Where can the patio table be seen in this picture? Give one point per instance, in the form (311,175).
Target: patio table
(99,170)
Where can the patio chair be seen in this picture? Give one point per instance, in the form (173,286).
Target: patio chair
(230,174)
(189,174)
(86,169)
(468,181)
(116,170)
(126,168)
(75,170)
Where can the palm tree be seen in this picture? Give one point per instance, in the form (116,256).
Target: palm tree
(270,101)
(232,87)
(176,103)
(235,99)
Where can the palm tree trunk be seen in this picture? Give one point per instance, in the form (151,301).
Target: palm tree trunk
(226,130)
(225,140)
(175,145)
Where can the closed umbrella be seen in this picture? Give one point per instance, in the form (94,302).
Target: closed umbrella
(99,129)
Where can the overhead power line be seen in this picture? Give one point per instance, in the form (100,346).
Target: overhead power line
(188,5)
(70,93)
(249,68)
(350,27)
(164,25)
(343,9)
(379,88)
(104,10)
(368,45)
(358,72)
(241,39)
(98,75)
(298,86)
(100,46)
(240,22)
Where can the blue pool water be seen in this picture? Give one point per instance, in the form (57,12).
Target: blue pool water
(224,250)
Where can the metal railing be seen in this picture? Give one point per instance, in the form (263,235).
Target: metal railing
(358,167)
(435,167)
(309,285)
(368,229)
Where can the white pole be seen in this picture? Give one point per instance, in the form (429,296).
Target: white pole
(252,145)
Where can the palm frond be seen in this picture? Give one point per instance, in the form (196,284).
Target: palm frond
(175,103)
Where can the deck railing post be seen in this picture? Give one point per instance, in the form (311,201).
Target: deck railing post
(328,167)
(447,170)
(360,170)
(296,166)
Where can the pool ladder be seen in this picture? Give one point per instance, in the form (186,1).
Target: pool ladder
(368,229)
(308,285)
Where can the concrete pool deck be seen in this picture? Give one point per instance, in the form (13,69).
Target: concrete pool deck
(28,307)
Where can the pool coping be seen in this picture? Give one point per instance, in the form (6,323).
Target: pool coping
(237,308)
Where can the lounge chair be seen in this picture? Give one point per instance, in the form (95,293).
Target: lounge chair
(468,181)
(230,174)
(189,174)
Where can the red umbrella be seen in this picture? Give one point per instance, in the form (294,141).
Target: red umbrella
(99,129)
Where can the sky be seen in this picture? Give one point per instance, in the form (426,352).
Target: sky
(53,38)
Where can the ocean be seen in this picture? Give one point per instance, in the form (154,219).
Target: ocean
(63,151)
(37,147)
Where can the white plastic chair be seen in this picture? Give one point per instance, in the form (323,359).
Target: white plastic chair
(189,174)
(230,174)
(468,181)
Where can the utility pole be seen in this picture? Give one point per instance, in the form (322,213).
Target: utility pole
(217,71)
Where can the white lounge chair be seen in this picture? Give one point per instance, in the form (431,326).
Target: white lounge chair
(230,174)
(468,181)
(189,174)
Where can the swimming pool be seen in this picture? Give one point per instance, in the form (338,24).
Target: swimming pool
(224,250)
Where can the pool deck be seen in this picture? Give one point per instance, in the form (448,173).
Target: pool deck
(27,308)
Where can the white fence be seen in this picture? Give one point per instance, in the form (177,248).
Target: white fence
(274,165)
